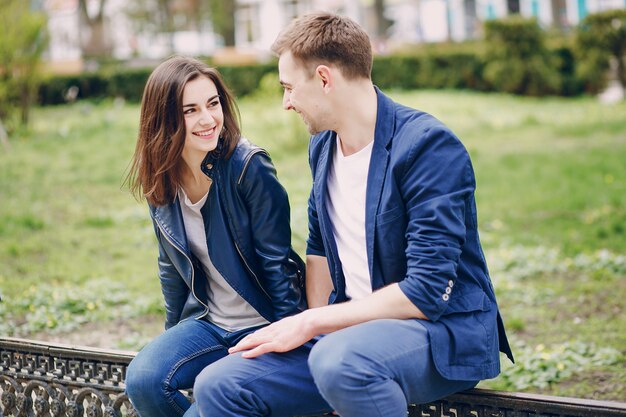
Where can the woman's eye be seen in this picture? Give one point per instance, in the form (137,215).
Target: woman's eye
(188,111)
(214,103)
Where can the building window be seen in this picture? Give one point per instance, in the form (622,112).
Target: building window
(247,18)
(295,8)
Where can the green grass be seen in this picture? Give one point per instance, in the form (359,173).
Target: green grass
(552,214)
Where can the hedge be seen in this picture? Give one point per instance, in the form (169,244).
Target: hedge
(129,83)
(486,66)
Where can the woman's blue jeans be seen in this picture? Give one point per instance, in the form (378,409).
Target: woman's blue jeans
(371,369)
(171,363)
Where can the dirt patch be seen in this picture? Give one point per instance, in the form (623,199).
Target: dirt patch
(594,384)
(116,334)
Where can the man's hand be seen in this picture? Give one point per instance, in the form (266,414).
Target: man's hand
(294,331)
(281,336)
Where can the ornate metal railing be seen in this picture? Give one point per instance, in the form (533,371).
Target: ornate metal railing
(58,380)
(54,380)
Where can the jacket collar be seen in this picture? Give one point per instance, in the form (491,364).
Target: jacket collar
(169,220)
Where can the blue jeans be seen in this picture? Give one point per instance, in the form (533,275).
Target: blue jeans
(171,363)
(371,369)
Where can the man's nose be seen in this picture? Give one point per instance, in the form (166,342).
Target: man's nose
(286,101)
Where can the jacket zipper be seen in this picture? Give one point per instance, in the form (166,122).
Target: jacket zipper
(245,262)
(193,275)
(246,162)
(251,271)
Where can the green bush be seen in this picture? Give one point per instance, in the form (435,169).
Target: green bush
(91,85)
(517,60)
(23,39)
(429,69)
(510,61)
(601,37)
(395,71)
(129,83)
(244,80)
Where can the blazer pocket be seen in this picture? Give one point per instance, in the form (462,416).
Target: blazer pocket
(391,215)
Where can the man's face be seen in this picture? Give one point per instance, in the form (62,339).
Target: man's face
(302,93)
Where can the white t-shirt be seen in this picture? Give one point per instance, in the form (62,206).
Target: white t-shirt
(347,186)
(227,308)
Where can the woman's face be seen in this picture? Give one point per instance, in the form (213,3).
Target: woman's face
(203,115)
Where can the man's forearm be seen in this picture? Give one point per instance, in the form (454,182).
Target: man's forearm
(318,282)
(386,303)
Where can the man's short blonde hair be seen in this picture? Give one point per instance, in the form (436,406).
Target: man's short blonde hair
(326,38)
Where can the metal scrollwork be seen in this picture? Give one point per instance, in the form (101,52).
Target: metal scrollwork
(37,380)
(42,380)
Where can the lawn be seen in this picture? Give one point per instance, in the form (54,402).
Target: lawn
(78,256)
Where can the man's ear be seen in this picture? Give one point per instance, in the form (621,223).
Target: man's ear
(325,75)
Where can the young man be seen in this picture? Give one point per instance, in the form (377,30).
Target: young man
(403,310)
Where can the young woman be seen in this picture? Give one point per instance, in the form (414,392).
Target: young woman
(222,223)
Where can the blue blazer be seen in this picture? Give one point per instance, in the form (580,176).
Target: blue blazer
(421,232)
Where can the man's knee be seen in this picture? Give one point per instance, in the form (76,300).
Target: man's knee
(335,364)
(208,387)
(218,392)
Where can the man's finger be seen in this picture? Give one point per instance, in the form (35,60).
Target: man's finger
(244,345)
(259,350)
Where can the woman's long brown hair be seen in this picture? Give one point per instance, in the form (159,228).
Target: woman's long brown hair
(155,169)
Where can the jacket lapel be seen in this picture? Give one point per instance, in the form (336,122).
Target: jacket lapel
(321,185)
(385,120)
(321,188)
(169,219)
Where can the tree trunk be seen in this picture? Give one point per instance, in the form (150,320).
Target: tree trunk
(382,23)
(4,137)
(621,71)
(97,43)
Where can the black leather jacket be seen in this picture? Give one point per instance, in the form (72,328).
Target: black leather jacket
(253,253)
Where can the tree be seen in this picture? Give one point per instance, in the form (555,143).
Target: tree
(97,43)
(223,19)
(382,23)
(23,39)
(167,16)
(601,37)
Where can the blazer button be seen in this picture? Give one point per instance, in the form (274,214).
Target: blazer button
(445,297)
(448,290)
(209,166)
(450,283)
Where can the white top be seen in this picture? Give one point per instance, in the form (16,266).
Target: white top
(347,185)
(227,309)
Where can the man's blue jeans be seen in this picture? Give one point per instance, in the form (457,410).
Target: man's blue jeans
(171,363)
(371,369)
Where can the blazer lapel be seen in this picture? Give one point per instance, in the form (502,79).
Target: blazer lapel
(385,120)
(321,188)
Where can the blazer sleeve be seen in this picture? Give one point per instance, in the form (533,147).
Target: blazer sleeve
(268,208)
(437,181)
(175,290)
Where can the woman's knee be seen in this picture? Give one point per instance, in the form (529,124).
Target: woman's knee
(145,377)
